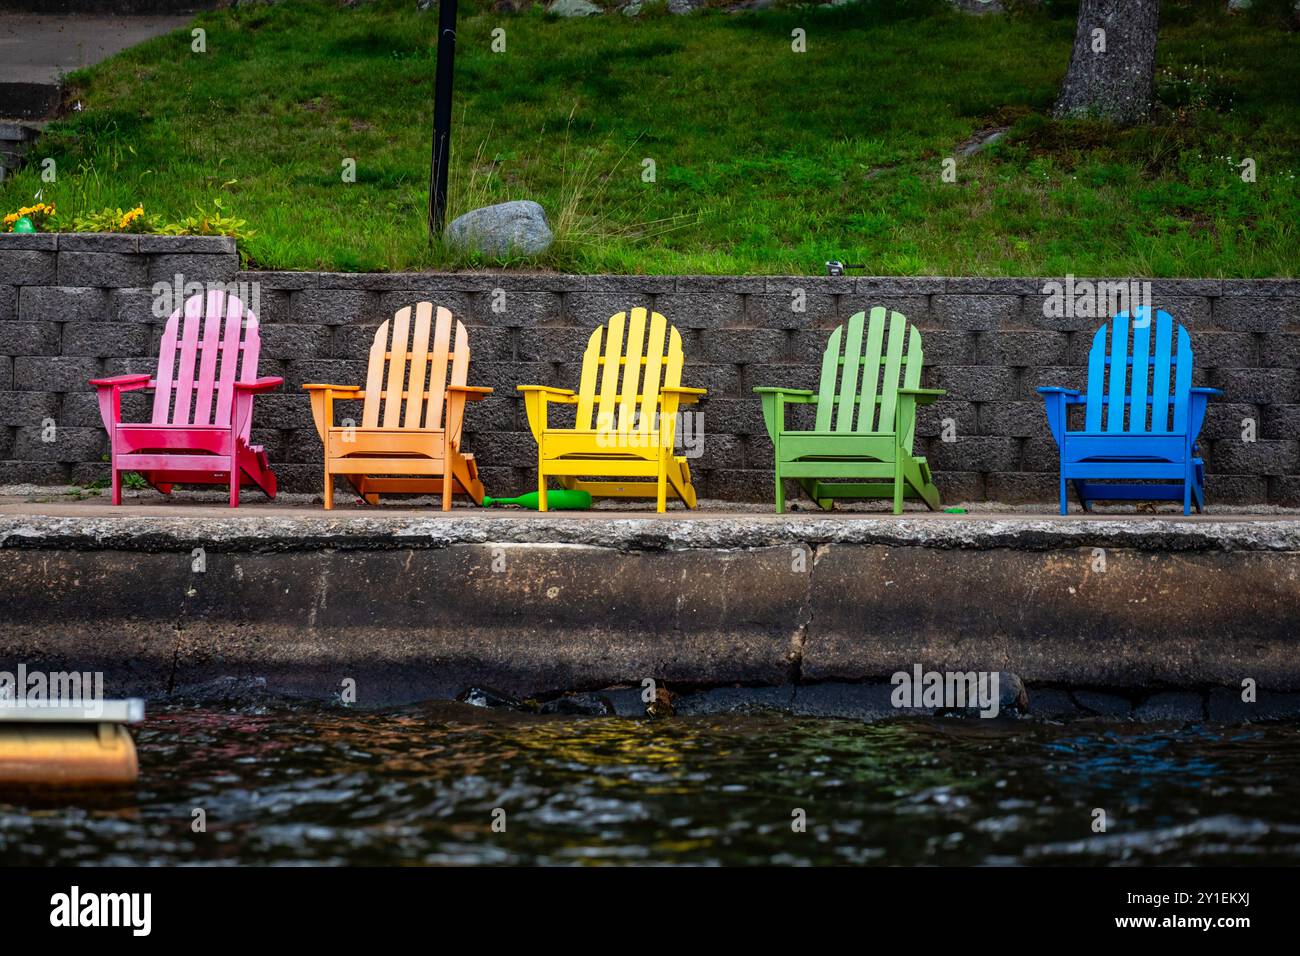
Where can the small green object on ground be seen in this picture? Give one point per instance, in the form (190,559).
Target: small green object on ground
(561,499)
(24,225)
(954,511)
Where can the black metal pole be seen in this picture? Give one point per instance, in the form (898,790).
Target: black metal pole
(442,116)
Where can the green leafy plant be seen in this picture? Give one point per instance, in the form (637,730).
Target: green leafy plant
(205,223)
(115,220)
(39,215)
(214,223)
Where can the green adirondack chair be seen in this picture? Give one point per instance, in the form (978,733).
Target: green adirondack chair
(861,445)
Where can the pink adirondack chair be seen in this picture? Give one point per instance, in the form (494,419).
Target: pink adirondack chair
(194,439)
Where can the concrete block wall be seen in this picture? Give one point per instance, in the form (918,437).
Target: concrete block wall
(75,307)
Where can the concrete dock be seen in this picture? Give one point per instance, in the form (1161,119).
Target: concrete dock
(410,603)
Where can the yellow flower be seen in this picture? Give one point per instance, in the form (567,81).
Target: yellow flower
(131,216)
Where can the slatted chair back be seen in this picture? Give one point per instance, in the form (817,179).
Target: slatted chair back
(406,382)
(627,362)
(207,345)
(1139,375)
(863,367)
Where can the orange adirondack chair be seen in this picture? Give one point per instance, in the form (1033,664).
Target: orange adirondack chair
(405,443)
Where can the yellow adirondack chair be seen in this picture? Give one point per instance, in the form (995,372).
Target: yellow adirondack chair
(622,429)
(403,431)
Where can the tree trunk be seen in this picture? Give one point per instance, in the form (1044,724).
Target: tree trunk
(1111,72)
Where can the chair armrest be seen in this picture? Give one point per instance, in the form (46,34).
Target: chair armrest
(775,400)
(472,393)
(109,392)
(122,382)
(1054,401)
(244,392)
(683,394)
(259,385)
(457,396)
(910,399)
(924,396)
(536,398)
(671,398)
(322,403)
(314,387)
(794,396)
(1197,407)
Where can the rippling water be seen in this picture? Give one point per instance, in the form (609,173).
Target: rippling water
(318,785)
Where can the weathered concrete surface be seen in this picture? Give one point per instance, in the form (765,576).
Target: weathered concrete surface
(1151,618)
(153,523)
(412,605)
(404,624)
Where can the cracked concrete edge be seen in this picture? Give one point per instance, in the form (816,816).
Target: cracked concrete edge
(803,615)
(632,532)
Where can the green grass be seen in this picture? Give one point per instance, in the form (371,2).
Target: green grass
(767,161)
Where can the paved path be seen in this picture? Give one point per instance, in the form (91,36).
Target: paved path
(38,49)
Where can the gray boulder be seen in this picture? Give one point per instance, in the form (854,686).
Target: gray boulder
(978,7)
(509,228)
(574,8)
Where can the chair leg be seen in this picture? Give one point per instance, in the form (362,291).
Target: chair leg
(115,483)
(328,496)
(661,498)
(1187,495)
(918,476)
(541,484)
(1065,501)
(234,484)
(446,485)
(1081,489)
(898,483)
(780,494)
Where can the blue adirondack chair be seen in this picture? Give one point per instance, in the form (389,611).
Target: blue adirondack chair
(1141,416)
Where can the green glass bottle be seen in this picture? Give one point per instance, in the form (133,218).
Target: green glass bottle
(562,499)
